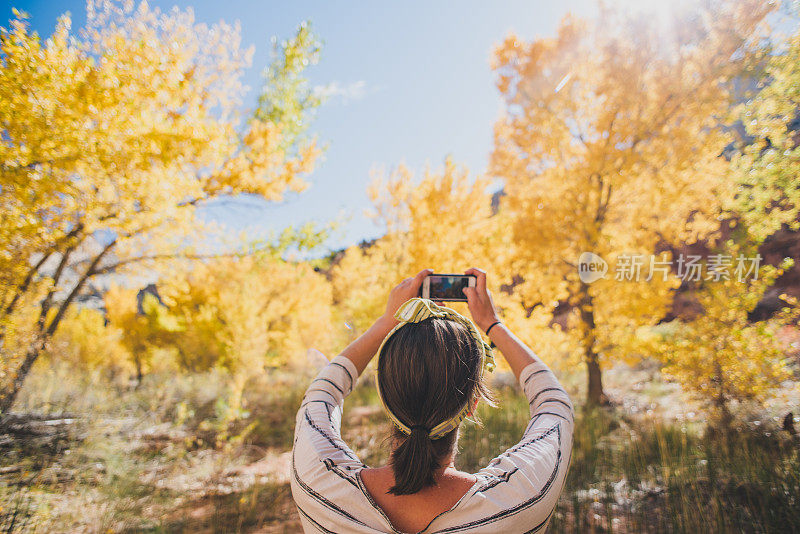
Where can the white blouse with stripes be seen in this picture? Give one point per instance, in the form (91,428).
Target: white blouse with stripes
(516,492)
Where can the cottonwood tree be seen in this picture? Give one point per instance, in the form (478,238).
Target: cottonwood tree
(721,357)
(111,141)
(440,221)
(446,220)
(239,314)
(609,144)
(767,168)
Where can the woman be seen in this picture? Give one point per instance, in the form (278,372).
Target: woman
(430,369)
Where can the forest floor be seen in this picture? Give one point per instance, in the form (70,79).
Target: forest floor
(81,454)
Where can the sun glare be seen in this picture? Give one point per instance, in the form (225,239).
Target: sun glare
(661,10)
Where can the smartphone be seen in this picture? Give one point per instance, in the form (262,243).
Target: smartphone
(446,287)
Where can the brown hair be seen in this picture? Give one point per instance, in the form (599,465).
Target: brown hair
(427,372)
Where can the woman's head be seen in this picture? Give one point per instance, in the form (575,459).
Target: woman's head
(427,372)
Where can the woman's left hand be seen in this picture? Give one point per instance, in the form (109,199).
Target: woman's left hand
(405,290)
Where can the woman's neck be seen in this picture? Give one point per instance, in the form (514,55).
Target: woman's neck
(447,465)
(447,469)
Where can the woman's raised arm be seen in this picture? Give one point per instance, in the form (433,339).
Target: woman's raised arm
(481,306)
(362,350)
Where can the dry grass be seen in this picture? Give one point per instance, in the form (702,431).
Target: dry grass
(168,457)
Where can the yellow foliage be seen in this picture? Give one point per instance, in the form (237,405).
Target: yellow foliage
(245,314)
(113,137)
(18,333)
(85,341)
(721,356)
(443,222)
(608,145)
(141,333)
(767,171)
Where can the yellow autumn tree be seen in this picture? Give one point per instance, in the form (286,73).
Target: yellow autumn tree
(143,322)
(86,342)
(609,144)
(767,167)
(449,222)
(245,314)
(721,357)
(443,221)
(112,138)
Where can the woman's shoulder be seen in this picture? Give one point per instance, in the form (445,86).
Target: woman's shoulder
(413,513)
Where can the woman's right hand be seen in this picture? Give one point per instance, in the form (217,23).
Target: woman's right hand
(479,300)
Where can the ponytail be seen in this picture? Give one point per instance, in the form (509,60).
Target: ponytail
(427,372)
(414,462)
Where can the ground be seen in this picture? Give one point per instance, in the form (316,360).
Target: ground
(81,456)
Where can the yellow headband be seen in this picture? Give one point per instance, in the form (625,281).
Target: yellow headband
(416,310)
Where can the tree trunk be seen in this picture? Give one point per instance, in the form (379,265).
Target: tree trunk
(139,371)
(23,287)
(9,395)
(33,271)
(595,396)
(723,413)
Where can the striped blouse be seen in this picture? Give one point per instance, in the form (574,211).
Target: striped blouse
(516,492)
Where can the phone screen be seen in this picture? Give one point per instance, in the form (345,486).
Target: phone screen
(448,287)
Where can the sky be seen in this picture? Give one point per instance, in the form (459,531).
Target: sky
(412,85)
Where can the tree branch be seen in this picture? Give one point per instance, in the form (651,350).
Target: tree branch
(51,328)
(23,287)
(113,266)
(48,300)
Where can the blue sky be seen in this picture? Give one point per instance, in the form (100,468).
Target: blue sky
(417,75)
